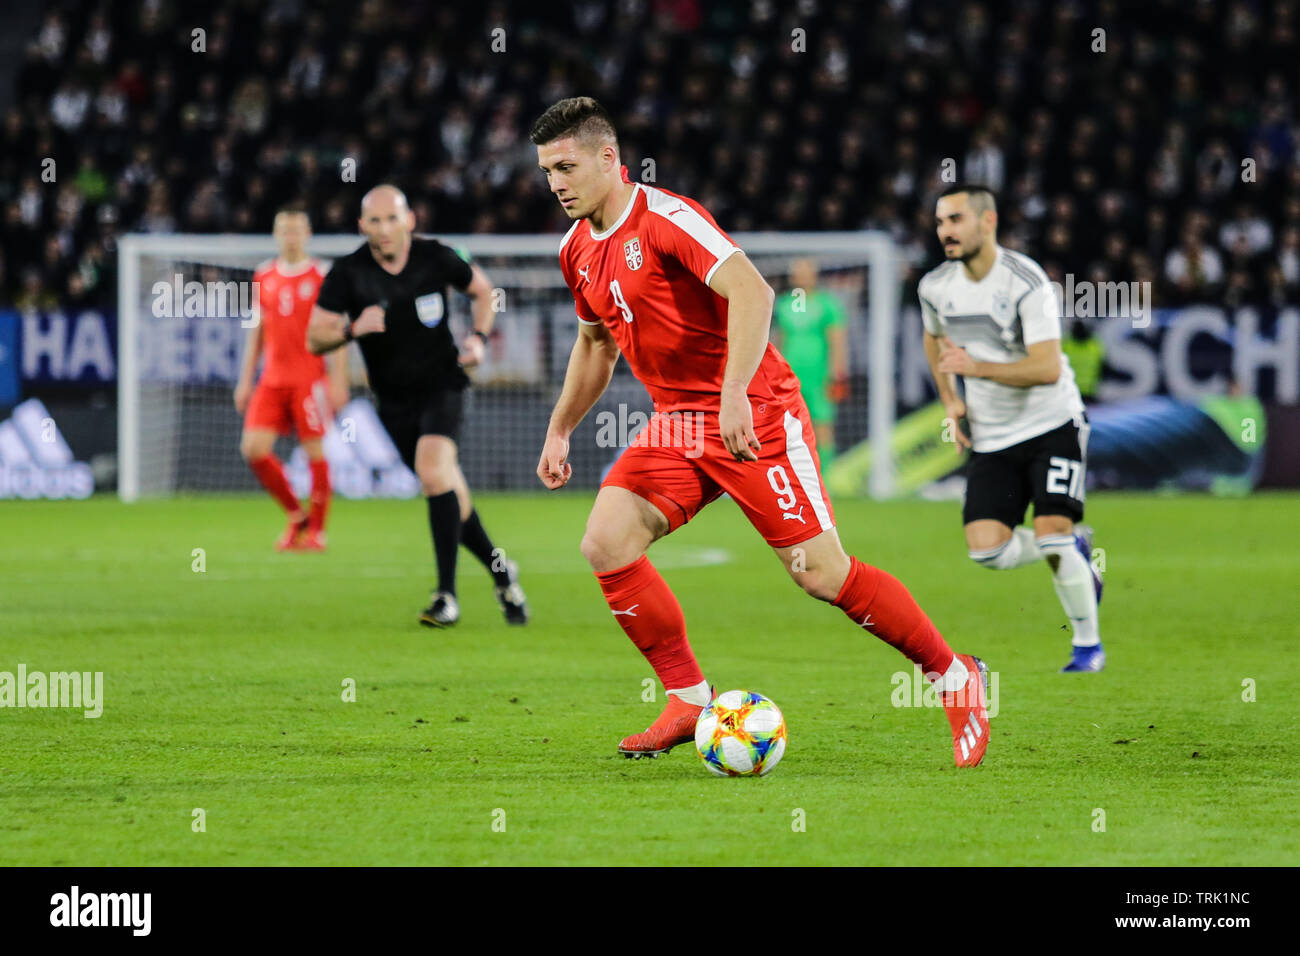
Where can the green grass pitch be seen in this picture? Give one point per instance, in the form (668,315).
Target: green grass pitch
(493,745)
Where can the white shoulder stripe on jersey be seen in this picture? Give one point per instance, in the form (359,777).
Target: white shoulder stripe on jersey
(805,471)
(1028,263)
(693,224)
(1023,274)
(1023,265)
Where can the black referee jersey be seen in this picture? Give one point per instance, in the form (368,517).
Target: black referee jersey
(415,354)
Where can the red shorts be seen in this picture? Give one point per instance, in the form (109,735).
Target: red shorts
(679,464)
(289,408)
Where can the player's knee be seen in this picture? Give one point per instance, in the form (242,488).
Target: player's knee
(822,579)
(596,548)
(436,479)
(820,583)
(432,485)
(605,551)
(252,448)
(995,559)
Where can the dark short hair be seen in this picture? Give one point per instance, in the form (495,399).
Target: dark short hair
(295,208)
(579,116)
(982,199)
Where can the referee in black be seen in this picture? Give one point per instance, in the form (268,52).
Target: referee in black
(390,295)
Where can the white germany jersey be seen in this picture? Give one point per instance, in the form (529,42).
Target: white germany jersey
(996,320)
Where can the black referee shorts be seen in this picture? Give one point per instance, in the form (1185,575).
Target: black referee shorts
(1048,469)
(436,413)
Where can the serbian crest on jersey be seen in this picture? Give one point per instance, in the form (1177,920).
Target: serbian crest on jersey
(632,253)
(1001,306)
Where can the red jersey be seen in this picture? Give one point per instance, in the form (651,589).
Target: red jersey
(646,279)
(286,297)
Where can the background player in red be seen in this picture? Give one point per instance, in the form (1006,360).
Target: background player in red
(654,279)
(293,393)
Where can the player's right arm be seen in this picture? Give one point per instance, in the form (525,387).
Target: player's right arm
(329,327)
(591,364)
(248,367)
(945,382)
(953,407)
(327,330)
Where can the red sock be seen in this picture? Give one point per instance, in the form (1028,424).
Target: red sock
(320,495)
(877,601)
(271,475)
(648,610)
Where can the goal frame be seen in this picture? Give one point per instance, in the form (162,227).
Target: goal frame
(883,307)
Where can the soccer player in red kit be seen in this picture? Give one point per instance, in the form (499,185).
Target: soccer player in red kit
(293,393)
(655,280)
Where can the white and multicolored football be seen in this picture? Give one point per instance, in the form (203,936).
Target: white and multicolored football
(741,734)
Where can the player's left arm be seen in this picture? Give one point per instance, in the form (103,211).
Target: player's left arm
(749,318)
(1040,321)
(479,291)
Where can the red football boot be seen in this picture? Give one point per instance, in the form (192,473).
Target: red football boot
(968,715)
(289,540)
(310,541)
(676,725)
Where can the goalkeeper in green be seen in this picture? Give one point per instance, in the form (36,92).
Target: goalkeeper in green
(810,333)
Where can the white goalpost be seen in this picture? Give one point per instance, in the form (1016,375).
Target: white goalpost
(183,318)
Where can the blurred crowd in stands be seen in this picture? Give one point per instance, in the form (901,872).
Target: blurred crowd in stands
(1153,141)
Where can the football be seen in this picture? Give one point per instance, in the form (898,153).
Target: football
(741,734)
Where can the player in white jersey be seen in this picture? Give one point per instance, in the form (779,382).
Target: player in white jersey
(992,318)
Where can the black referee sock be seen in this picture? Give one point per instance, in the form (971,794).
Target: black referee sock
(444,524)
(474,537)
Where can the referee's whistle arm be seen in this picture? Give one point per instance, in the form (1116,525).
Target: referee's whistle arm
(471,353)
(370,321)
(327,330)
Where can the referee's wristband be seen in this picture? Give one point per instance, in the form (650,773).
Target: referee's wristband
(347,330)
(481,334)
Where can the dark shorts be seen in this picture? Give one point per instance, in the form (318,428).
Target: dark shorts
(1048,469)
(437,413)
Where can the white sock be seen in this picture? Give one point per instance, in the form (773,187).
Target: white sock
(697,695)
(955,677)
(1017,551)
(1074,586)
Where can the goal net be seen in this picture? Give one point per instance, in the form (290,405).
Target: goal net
(186,303)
